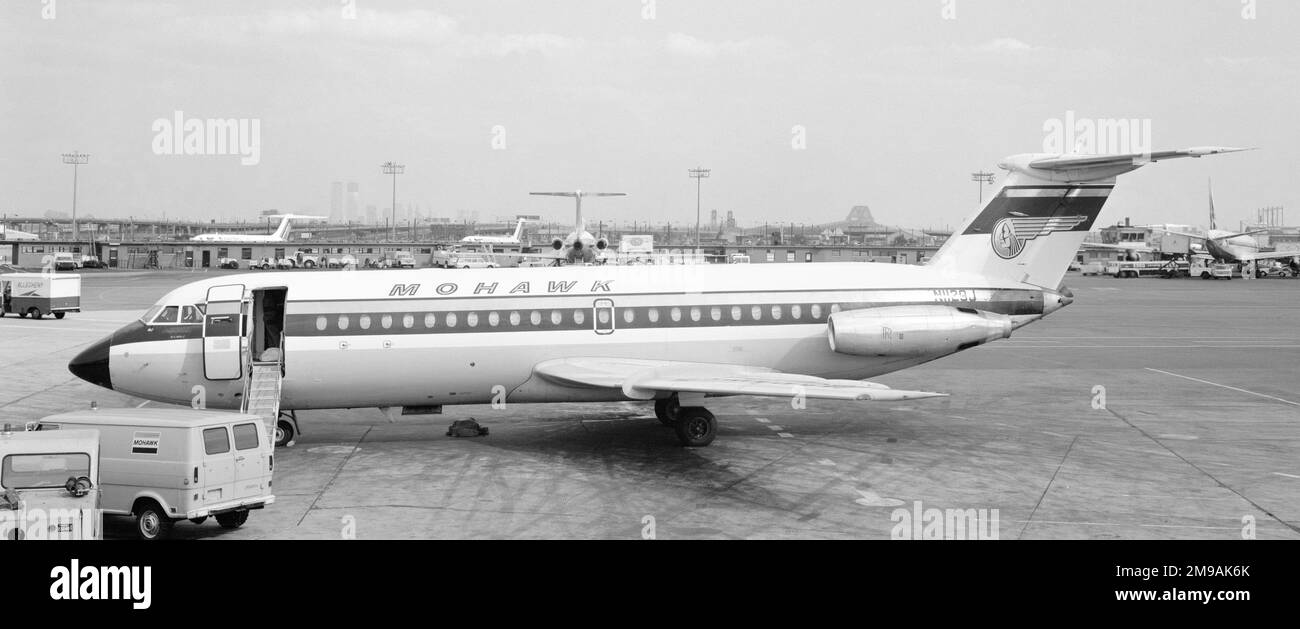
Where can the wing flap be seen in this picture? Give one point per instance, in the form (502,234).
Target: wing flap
(644,379)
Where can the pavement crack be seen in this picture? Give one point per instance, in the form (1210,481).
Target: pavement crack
(1048,487)
(1198,468)
(334,476)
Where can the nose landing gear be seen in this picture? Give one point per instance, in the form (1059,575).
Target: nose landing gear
(286,426)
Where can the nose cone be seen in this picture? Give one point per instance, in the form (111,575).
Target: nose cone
(91,364)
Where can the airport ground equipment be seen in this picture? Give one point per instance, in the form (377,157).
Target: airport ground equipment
(49,485)
(39,294)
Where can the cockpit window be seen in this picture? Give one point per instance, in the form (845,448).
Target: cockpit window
(150,314)
(190,314)
(168,315)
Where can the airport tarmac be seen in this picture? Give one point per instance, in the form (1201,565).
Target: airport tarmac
(1198,437)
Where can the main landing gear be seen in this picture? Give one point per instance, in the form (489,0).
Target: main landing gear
(696,427)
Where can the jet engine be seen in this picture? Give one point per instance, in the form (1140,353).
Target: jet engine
(913,330)
(602,244)
(557,244)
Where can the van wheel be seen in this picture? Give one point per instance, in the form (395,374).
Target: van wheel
(309,264)
(233,519)
(59,315)
(283,433)
(34,312)
(199,520)
(151,522)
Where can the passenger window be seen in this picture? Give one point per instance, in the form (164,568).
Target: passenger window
(245,436)
(168,315)
(216,441)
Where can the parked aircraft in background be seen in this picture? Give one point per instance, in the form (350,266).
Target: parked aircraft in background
(579,247)
(498,240)
(281,233)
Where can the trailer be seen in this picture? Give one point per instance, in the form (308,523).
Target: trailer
(1148,268)
(39,294)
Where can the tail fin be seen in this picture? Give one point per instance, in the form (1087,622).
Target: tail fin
(519,229)
(282,232)
(1032,227)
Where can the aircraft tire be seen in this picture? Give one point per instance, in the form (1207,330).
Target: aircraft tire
(696,427)
(667,410)
(283,433)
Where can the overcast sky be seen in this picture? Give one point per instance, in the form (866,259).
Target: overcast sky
(801,110)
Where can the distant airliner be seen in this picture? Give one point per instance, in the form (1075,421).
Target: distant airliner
(281,234)
(579,246)
(672,335)
(498,240)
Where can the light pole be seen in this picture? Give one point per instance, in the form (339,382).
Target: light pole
(982,178)
(698,174)
(394,169)
(76,159)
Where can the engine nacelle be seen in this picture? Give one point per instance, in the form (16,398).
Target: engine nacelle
(557,244)
(913,330)
(602,244)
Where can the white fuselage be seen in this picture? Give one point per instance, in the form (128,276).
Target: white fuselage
(429,337)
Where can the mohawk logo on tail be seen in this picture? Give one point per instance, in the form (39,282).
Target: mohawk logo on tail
(1010,234)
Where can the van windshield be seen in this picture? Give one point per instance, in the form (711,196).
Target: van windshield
(42,471)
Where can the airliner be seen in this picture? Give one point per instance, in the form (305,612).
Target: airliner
(579,246)
(673,336)
(1235,247)
(498,240)
(281,234)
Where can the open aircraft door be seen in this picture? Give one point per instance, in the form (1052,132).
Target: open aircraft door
(222,327)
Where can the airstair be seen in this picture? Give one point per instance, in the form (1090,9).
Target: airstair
(262,393)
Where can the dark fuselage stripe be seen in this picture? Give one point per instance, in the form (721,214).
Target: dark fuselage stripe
(602,314)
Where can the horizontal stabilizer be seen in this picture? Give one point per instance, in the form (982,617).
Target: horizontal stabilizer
(1072,162)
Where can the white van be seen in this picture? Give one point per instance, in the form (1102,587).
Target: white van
(166,465)
(49,485)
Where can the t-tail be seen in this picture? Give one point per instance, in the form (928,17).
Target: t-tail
(1034,224)
(282,232)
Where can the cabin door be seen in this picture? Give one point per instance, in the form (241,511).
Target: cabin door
(222,323)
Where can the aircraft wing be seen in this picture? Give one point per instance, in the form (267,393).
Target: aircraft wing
(643,379)
(1069,162)
(1268,255)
